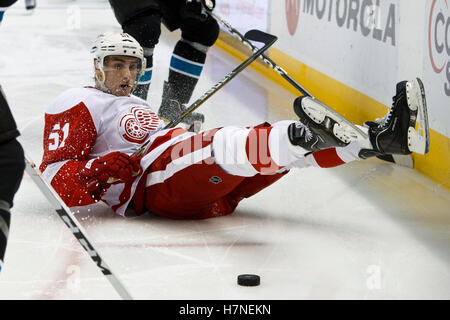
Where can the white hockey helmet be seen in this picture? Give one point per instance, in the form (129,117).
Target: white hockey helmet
(116,44)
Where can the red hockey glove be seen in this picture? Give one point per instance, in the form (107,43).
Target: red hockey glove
(119,166)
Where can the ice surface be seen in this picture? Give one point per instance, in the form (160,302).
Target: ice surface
(367,230)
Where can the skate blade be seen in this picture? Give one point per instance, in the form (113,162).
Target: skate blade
(343,129)
(418,139)
(403,160)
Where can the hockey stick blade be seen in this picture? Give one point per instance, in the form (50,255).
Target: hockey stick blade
(260,36)
(70,221)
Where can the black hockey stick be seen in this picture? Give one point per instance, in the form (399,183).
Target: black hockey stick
(266,59)
(281,71)
(76,229)
(254,35)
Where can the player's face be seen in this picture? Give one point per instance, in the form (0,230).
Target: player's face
(120,74)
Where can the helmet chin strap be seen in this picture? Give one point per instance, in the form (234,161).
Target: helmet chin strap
(101,84)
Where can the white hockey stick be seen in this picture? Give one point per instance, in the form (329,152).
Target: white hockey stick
(76,229)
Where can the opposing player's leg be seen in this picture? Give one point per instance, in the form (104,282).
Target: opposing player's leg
(12,164)
(4,229)
(186,66)
(142,20)
(146,29)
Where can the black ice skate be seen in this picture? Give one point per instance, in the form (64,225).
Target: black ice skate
(172,108)
(320,127)
(396,133)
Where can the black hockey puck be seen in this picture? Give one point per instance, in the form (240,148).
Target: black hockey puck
(248,280)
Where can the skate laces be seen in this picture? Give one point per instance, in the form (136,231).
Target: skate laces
(382,121)
(385,120)
(304,131)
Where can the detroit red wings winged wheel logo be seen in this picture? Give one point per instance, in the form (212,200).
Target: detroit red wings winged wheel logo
(136,125)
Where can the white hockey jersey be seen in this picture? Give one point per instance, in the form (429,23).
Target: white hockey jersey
(85,123)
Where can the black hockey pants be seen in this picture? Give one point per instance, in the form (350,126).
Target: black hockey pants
(12,161)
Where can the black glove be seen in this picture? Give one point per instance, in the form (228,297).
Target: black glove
(197,9)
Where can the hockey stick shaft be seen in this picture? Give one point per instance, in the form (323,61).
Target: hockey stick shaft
(65,214)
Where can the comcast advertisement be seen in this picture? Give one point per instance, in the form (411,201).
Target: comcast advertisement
(437,62)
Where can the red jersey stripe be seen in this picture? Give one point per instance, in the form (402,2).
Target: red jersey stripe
(327,158)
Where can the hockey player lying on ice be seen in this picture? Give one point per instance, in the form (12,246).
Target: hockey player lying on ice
(91,133)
